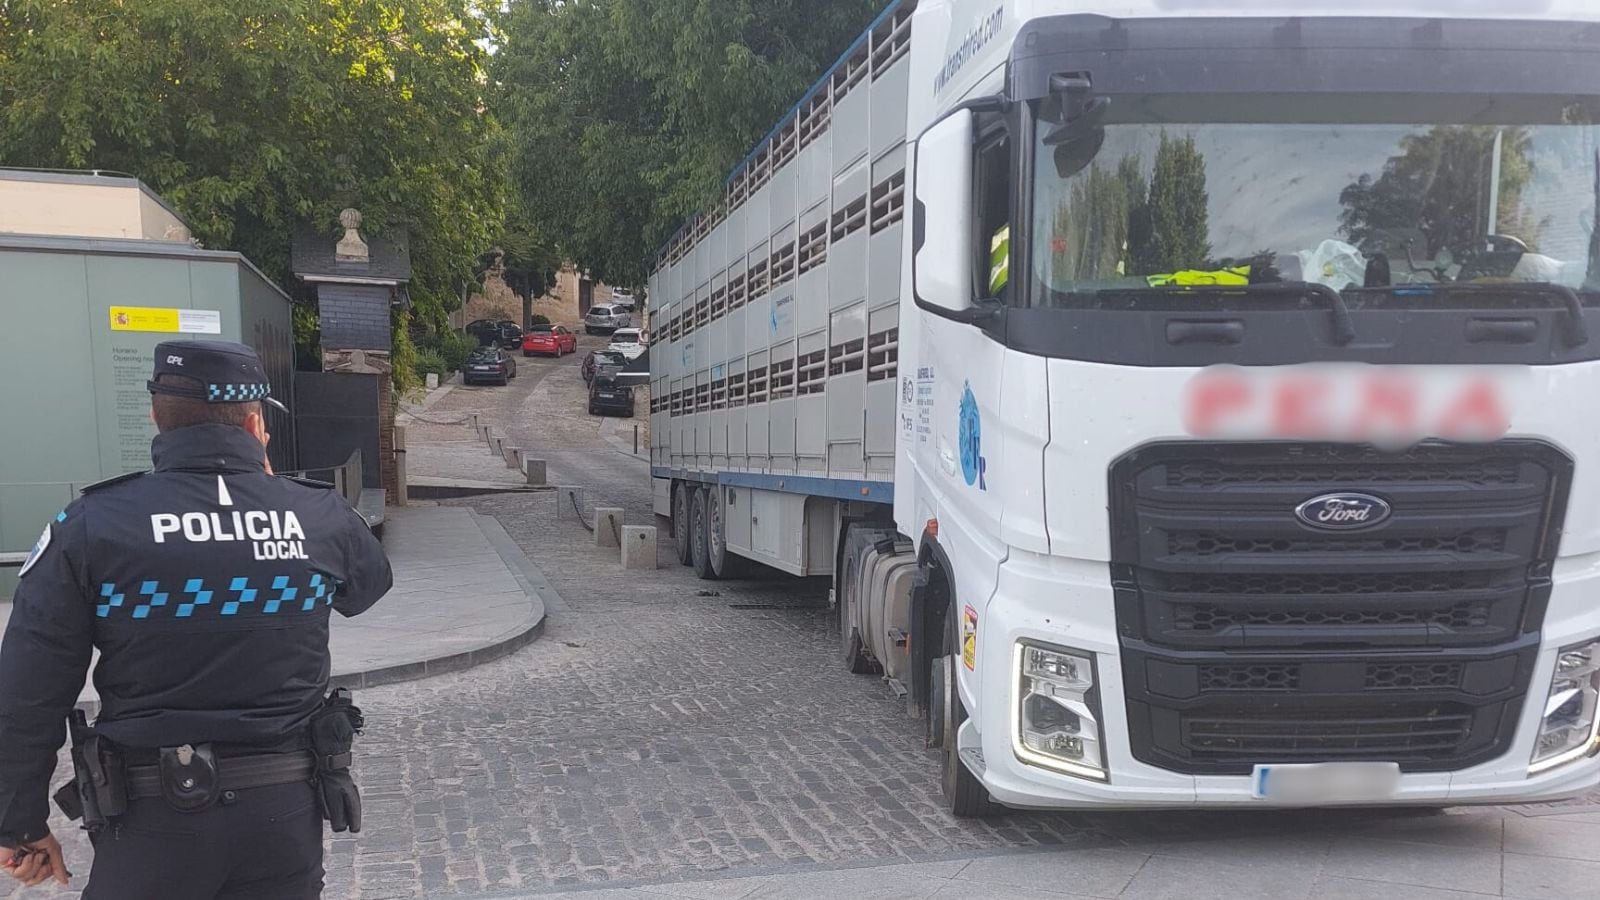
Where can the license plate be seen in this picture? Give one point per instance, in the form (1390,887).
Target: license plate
(483,368)
(608,396)
(1336,782)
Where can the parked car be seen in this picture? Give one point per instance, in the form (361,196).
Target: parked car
(489,365)
(606,319)
(624,300)
(602,362)
(606,396)
(627,341)
(496,332)
(557,340)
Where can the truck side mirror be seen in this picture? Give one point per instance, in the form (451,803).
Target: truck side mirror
(942,281)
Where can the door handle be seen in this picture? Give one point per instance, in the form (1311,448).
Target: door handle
(1205,331)
(1502,331)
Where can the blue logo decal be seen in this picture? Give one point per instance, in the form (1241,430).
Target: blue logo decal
(970,438)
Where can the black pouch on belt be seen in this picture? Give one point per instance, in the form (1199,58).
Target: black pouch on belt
(333,736)
(189,781)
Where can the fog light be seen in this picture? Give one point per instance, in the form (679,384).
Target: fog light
(1057,723)
(1570,726)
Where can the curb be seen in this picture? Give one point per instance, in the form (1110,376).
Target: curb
(542,596)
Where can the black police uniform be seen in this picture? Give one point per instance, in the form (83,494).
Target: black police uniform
(206,585)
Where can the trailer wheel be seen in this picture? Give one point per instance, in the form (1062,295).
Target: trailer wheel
(725,563)
(682,533)
(964,795)
(852,650)
(700,529)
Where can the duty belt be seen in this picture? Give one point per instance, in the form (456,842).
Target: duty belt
(234,773)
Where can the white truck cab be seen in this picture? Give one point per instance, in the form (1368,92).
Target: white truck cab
(1233,455)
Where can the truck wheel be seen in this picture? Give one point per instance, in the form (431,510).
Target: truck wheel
(964,795)
(851,649)
(682,535)
(700,529)
(724,562)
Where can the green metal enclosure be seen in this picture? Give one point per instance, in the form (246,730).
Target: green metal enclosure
(79,322)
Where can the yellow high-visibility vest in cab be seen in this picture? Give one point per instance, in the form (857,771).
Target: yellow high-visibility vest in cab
(1237,275)
(999,261)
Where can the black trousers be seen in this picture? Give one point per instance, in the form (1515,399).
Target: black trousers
(263,844)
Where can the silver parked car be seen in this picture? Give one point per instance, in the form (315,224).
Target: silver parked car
(606,319)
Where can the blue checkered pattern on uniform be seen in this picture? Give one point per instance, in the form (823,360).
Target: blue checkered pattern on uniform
(237,393)
(288,593)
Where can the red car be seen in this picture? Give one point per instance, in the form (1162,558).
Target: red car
(554,340)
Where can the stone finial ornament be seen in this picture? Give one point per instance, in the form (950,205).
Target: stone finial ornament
(351,247)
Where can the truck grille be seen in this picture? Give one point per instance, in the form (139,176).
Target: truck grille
(1250,637)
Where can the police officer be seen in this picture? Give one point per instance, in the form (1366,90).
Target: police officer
(206,585)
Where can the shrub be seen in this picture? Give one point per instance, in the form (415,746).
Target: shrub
(429,361)
(455,348)
(540,320)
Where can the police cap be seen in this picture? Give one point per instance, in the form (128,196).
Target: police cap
(213,371)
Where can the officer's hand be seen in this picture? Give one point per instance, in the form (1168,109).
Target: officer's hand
(43,861)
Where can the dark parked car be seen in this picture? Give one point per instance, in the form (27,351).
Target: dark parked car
(608,397)
(602,362)
(497,333)
(489,365)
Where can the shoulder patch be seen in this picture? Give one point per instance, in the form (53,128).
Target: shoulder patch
(115,479)
(311,482)
(37,551)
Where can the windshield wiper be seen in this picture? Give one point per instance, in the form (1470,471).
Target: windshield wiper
(1344,328)
(1577,326)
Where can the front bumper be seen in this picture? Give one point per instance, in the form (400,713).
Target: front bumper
(1028,602)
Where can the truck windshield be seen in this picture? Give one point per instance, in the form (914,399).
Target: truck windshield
(1364,197)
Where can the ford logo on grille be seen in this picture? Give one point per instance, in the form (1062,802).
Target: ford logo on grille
(1343,512)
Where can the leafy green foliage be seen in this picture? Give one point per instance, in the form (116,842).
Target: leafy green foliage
(254,118)
(1170,233)
(1438,185)
(451,348)
(626,115)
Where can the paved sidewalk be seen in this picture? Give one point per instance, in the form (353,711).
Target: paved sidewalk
(463,595)
(1523,852)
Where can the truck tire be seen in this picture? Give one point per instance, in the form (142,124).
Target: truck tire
(682,531)
(724,562)
(852,650)
(964,795)
(700,530)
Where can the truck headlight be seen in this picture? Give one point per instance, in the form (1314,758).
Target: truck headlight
(1057,711)
(1570,727)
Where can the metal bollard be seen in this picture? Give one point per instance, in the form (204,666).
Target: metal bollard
(639,547)
(607,526)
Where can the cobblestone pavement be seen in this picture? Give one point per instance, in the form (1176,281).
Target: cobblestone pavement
(665,731)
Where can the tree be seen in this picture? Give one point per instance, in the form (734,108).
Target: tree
(627,114)
(252,119)
(1439,185)
(1172,232)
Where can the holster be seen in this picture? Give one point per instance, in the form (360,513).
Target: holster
(333,734)
(98,791)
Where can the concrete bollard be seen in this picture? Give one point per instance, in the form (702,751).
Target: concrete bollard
(607,526)
(569,502)
(512,455)
(431,382)
(534,469)
(639,547)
